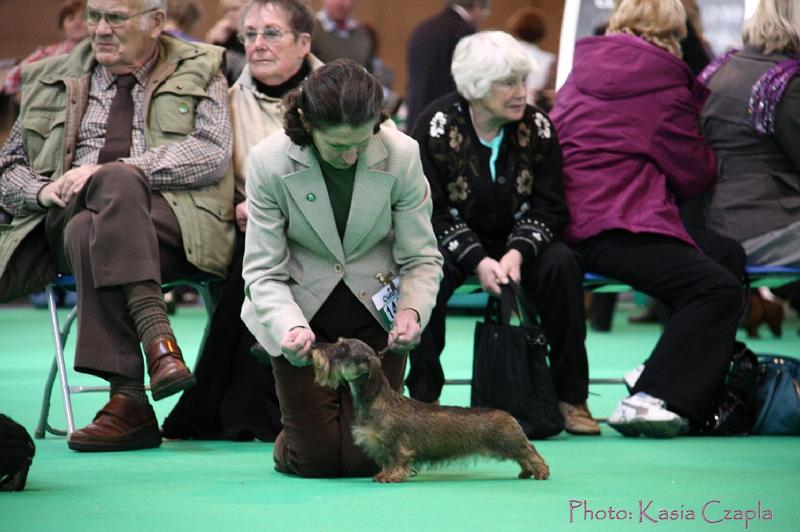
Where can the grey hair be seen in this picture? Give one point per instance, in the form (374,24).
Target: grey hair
(485,57)
(774,27)
(145,5)
(154,4)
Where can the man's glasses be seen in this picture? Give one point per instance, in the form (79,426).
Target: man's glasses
(115,20)
(270,35)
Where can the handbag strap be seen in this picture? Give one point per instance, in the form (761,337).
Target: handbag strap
(512,298)
(524,306)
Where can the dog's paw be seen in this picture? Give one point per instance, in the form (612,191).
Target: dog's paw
(541,471)
(390,477)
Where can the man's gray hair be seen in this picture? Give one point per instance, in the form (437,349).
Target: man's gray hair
(154,4)
(485,57)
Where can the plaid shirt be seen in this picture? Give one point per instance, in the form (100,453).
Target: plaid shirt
(199,159)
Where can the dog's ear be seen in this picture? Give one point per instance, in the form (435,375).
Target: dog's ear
(375,380)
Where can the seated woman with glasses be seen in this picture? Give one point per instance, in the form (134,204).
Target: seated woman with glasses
(338,207)
(494,165)
(234,397)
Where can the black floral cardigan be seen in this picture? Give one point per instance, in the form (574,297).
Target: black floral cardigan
(473,217)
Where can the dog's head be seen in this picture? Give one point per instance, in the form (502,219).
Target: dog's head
(342,362)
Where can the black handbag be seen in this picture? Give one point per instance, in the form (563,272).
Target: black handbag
(734,405)
(509,369)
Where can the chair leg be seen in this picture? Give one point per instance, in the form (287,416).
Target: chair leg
(44,413)
(60,334)
(204,290)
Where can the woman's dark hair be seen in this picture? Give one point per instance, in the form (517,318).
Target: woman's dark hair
(339,93)
(70,7)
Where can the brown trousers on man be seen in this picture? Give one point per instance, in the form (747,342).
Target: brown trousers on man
(114,232)
(316,439)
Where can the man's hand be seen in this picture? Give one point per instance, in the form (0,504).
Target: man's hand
(406,332)
(65,188)
(491,276)
(511,263)
(48,196)
(241,215)
(296,345)
(72,181)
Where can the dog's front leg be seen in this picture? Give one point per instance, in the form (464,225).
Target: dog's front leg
(392,473)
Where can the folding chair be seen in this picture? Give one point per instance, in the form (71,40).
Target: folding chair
(202,282)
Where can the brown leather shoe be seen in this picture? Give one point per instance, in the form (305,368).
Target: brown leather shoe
(578,420)
(121,425)
(168,372)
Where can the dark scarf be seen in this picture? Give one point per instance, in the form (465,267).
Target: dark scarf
(279,91)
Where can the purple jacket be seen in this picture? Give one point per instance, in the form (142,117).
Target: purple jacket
(627,120)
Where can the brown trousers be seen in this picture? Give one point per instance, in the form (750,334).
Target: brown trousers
(114,232)
(316,439)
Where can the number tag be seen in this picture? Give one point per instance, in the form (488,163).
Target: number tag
(386,302)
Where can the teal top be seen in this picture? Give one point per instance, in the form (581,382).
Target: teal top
(494,145)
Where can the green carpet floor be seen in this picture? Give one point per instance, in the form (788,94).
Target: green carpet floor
(605,483)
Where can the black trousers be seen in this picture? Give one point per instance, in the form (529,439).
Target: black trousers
(554,282)
(703,291)
(234,398)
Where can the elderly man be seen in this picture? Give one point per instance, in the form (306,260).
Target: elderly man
(114,173)
(338,35)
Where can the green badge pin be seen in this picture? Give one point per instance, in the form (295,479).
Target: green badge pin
(311,196)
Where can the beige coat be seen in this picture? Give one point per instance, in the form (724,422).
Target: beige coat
(254,116)
(294,257)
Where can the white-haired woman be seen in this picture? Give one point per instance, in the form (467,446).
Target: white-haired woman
(752,120)
(627,118)
(494,165)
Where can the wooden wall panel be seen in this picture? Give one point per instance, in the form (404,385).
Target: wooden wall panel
(29,23)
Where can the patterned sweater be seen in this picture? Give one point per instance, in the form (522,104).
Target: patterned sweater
(475,217)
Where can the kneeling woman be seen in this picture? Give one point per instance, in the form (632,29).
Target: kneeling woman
(338,205)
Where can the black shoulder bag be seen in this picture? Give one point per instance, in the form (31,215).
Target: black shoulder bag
(509,369)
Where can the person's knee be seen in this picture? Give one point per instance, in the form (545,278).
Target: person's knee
(319,459)
(558,261)
(124,178)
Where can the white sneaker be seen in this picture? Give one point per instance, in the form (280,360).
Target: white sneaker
(632,376)
(648,415)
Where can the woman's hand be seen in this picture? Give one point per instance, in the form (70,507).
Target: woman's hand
(241,215)
(296,344)
(406,333)
(491,275)
(511,264)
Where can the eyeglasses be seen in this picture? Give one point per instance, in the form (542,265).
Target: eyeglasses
(270,35)
(115,20)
